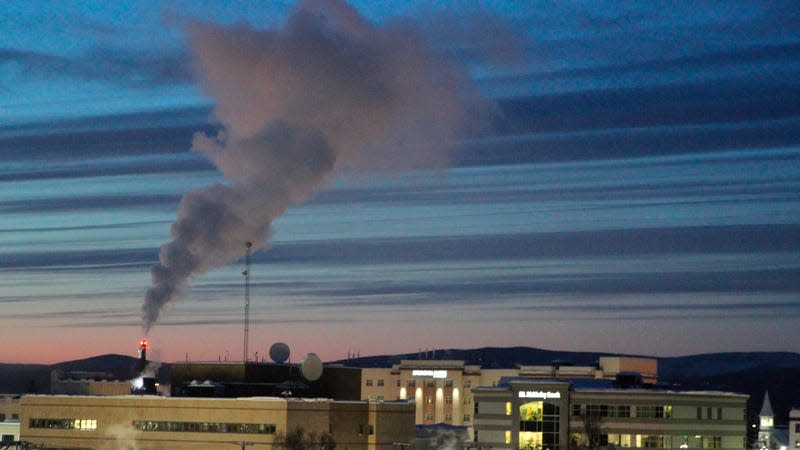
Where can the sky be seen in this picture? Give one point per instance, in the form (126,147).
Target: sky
(612,176)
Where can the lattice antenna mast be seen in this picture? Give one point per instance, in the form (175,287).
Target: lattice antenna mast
(248,245)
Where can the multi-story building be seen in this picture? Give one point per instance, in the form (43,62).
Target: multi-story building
(123,422)
(794,428)
(9,407)
(522,413)
(442,389)
(86,383)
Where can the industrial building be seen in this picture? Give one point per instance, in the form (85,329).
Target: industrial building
(522,413)
(238,379)
(156,422)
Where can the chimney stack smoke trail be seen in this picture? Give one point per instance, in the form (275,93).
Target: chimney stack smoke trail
(325,93)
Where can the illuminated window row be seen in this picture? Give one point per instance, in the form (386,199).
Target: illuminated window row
(641,411)
(64,424)
(204,427)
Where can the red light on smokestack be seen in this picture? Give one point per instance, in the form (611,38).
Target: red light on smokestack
(142,355)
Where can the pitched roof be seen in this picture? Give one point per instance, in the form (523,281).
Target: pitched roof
(766,408)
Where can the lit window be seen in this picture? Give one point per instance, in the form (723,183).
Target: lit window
(508,410)
(508,436)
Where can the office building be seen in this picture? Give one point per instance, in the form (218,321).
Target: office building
(523,413)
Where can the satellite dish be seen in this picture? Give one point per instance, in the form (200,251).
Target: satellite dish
(311,367)
(279,352)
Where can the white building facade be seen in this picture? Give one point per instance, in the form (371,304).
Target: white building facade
(530,414)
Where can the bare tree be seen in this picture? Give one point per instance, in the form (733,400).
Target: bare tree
(298,439)
(593,430)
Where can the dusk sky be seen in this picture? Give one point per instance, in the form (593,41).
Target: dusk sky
(614,176)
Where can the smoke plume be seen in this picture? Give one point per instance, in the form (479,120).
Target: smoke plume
(325,92)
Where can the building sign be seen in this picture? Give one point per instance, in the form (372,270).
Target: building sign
(539,394)
(429,373)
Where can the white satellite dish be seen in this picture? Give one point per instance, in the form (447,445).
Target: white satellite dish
(279,352)
(311,367)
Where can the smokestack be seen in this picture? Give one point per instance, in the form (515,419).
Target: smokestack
(142,356)
(145,383)
(327,91)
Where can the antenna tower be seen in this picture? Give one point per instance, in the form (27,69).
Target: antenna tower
(246,274)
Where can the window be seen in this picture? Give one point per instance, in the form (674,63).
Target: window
(476,408)
(429,400)
(448,400)
(699,413)
(2,417)
(508,436)
(712,442)
(597,410)
(369,382)
(610,410)
(467,383)
(64,424)
(430,383)
(653,441)
(448,418)
(576,410)
(448,383)
(398,382)
(719,413)
(708,413)
(8,438)
(466,418)
(620,440)
(650,411)
(429,416)
(365,429)
(411,383)
(380,381)
(14,416)
(508,409)
(204,427)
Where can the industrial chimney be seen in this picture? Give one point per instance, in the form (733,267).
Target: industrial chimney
(144,383)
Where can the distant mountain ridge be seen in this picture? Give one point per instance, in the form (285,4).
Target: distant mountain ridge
(751,373)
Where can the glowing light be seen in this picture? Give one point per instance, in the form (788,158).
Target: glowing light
(539,394)
(138,382)
(429,373)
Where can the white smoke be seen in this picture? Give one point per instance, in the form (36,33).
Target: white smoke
(327,91)
(122,437)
